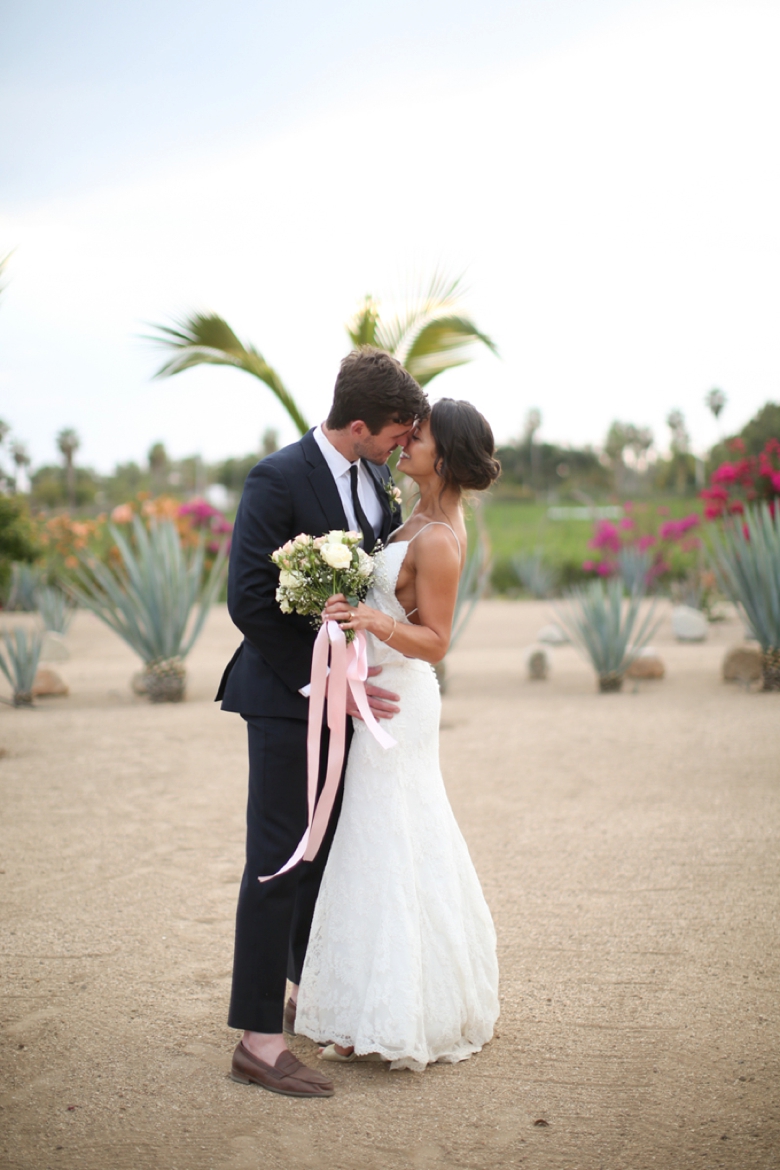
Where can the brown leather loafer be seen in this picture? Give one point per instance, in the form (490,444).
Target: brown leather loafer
(288,1076)
(289,1017)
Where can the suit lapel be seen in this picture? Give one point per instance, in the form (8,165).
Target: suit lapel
(323,485)
(391,515)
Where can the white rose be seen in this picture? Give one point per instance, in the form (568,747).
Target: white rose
(338,556)
(287,580)
(336,536)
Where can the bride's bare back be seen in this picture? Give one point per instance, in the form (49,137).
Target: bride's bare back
(432,565)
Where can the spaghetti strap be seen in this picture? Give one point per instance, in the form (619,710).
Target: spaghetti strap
(429,525)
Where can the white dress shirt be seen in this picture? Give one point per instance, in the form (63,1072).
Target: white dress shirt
(339,469)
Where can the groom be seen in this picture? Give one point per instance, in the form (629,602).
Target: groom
(334,477)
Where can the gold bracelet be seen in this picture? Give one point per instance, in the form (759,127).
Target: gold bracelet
(389,636)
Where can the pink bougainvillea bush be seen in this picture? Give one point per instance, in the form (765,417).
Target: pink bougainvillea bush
(660,547)
(193,519)
(746,479)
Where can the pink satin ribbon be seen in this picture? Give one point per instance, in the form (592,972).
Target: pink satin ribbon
(348,670)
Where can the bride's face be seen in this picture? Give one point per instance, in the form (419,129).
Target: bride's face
(418,457)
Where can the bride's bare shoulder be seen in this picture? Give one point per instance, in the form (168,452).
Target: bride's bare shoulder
(441,539)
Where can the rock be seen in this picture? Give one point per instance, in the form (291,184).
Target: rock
(647,664)
(688,625)
(138,683)
(54,648)
(48,682)
(537,662)
(553,635)
(742,664)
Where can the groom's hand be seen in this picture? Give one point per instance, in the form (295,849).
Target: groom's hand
(383,704)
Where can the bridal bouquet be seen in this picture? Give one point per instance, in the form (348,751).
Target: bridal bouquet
(312,568)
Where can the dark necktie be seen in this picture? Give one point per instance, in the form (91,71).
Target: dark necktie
(369,540)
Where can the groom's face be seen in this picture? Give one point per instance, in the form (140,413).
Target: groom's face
(378,448)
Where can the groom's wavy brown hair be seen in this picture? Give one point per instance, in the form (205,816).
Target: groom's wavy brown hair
(372,386)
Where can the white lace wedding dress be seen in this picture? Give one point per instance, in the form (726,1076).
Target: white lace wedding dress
(402,954)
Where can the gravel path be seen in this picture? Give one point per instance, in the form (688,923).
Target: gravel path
(628,846)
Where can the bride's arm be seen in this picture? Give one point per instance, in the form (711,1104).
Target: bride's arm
(437,564)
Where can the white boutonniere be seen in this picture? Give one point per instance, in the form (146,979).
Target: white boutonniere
(393,494)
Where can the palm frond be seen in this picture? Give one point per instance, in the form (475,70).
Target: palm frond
(362,329)
(207,339)
(442,344)
(746,559)
(441,296)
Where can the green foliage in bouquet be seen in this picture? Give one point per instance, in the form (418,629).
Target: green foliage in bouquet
(746,558)
(19,657)
(148,599)
(606,629)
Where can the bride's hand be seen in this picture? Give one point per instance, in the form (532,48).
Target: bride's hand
(349,617)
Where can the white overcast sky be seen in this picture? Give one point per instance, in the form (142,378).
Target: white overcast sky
(606,172)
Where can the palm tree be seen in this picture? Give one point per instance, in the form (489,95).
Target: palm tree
(69,443)
(430,336)
(21,458)
(715,400)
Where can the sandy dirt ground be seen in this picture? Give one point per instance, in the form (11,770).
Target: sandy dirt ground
(628,847)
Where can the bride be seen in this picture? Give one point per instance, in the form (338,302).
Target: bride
(401,963)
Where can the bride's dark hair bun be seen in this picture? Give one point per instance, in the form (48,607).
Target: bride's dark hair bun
(464,445)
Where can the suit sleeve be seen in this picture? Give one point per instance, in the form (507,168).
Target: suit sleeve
(263,523)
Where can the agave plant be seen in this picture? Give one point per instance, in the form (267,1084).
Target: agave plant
(149,598)
(25,581)
(746,559)
(56,608)
(19,661)
(534,574)
(606,629)
(634,566)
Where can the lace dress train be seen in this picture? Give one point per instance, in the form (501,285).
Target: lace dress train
(402,953)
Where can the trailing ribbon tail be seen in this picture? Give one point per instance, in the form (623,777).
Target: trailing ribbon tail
(348,668)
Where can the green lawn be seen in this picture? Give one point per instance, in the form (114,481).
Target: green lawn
(516,526)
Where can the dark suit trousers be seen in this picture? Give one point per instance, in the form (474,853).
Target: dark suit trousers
(274,918)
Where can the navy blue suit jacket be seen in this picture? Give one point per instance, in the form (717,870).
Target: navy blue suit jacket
(289,492)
